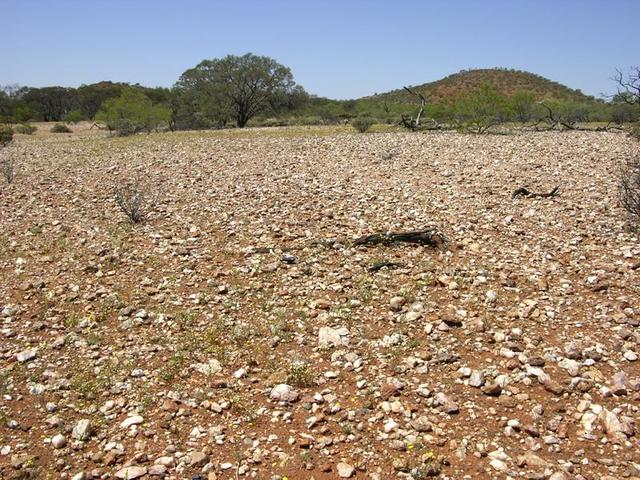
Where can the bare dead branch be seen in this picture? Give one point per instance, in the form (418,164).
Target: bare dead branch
(384,264)
(409,122)
(524,192)
(429,238)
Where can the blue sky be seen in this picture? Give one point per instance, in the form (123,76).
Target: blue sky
(339,49)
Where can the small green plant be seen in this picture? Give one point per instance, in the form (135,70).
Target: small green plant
(301,375)
(25,129)
(60,128)
(362,124)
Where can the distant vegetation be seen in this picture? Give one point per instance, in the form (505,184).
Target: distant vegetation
(132,112)
(250,90)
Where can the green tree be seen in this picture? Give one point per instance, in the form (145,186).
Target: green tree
(22,113)
(132,112)
(481,109)
(522,105)
(50,104)
(237,87)
(74,116)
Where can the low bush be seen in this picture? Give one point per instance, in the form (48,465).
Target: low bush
(362,124)
(6,135)
(25,129)
(60,128)
(8,169)
(123,127)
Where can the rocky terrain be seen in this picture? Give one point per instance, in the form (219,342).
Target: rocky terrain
(239,333)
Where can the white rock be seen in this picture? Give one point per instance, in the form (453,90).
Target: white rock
(134,420)
(83,430)
(571,366)
(212,367)
(390,426)
(333,337)
(345,470)
(283,393)
(26,355)
(130,473)
(59,441)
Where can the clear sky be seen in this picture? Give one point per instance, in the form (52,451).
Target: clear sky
(339,49)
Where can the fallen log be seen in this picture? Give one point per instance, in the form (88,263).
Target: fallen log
(429,238)
(524,192)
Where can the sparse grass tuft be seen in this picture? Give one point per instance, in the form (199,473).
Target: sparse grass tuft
(301,375)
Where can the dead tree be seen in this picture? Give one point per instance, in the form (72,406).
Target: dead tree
(409,122)
(553,121)
(629,86)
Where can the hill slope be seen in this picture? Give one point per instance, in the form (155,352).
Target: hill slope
(507,82)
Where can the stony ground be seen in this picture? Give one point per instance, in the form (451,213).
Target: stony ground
(238,333)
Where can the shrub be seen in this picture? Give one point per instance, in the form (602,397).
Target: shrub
(132,112)
(60,128)
(123,127)
(134,199)
(74,116)
(25,129)
(362,124)
(6,135)
(630,187)
(481,109)
(8,169)
(301,375)
(635,131)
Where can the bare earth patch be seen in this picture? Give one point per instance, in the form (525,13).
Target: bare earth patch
(239,333)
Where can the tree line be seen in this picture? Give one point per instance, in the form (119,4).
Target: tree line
(256,90)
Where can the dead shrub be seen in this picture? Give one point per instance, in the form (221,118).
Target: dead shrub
(8,169)
(629,188)
(134,198)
